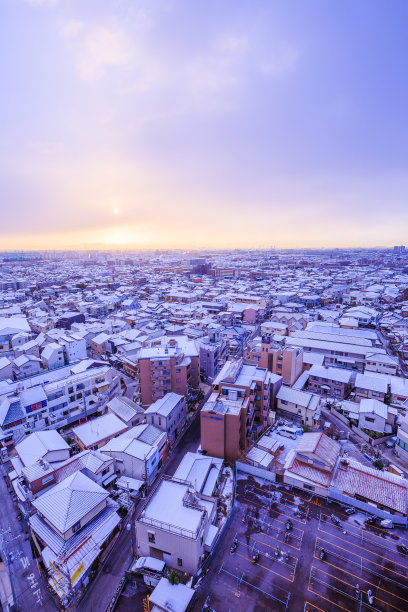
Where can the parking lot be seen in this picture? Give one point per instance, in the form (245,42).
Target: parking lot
(289,574)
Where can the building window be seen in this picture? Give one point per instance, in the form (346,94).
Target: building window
(309,487)
(180,562)
(76,527)
(152,537)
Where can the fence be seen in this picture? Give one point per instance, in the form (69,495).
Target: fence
(256,471)
(335,495)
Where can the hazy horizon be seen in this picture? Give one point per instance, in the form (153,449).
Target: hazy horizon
(135,125)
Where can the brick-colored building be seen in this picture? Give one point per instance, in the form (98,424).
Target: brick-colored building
(238,410)
(168,368)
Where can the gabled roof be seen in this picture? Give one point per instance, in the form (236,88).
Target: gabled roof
(69,501)
(164,405)
(38,444)
(320,445)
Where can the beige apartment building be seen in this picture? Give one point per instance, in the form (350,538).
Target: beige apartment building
(286,362)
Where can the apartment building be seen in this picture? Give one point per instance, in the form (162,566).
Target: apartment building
(239,409)
(284,361)
(166,368)
(223,425)
(213,350)
(64,400)
(330,382)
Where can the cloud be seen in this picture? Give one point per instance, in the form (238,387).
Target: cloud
(98,48)
(72,28)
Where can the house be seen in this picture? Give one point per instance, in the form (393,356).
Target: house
(126,410)
(331,382)
(371,387)
(47,445)
(98,345)
(6,368)
(298,405)
(383,364)
(167,596)
(52,356)
(203,471)
(134,458)
(169,414)
(26,365)
(310,465)
(176,525)
(41,475)
(98,432)
(373,415)
(371,490)
(74,521)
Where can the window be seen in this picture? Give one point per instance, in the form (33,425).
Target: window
(370,419)
(152,537)
(284,402)
(105,471)
(308,487)
(76,527)
(70,389)
(179,562)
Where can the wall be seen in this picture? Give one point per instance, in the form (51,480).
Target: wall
(255,471)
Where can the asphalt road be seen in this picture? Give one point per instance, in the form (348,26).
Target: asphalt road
(28,584)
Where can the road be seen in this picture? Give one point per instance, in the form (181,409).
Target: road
(28,584)
(189,442)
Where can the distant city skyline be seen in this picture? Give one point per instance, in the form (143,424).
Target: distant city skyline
(140,125)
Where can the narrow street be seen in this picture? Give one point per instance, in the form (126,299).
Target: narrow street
(28,584)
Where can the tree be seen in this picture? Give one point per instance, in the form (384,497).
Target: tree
(173,577)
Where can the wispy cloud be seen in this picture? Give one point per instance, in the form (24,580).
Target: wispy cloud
(97,48)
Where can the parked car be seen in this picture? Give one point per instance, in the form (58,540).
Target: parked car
(390,442)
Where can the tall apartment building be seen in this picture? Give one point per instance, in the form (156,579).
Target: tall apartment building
(238,410)
(161,369)
(213,351)
(287,361)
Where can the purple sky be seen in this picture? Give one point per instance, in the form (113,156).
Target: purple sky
(203,124)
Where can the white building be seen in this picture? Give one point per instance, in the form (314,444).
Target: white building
(176,525)
(168,414)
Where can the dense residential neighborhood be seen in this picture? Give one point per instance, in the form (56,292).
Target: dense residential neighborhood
(179,429)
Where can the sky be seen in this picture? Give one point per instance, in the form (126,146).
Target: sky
(203,124)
